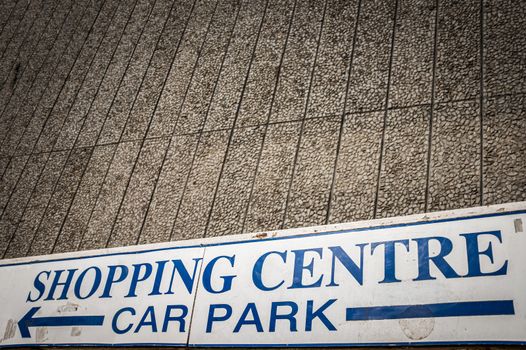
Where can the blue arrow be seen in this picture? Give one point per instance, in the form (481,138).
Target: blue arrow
(29,321)
(457,309)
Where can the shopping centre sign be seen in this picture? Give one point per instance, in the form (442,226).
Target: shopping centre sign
(451,277)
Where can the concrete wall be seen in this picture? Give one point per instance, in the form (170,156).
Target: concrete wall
(152,120)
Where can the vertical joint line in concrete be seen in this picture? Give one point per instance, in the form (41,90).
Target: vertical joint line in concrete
(165,155)
(8,19)
(47,83)
(26,35)
(194,68)
(108,112)
(180,107)
(276,84)
(431,112)
(16,183)
(482,101)
(130,59)
(82,124)
(10,158)
(386,110)
(296,155)
(200,133)
(62,88)
(45,163)
(342,121)
(148,66)
(42,63)
(144,76)
(12,237)
(15,31)
(238,108)
(156,180)
(21,73)
(151,119)
(58,95)
(84,121)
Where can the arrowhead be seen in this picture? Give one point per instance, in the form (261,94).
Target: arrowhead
(26,321)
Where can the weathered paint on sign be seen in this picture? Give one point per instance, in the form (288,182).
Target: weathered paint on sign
(451,277)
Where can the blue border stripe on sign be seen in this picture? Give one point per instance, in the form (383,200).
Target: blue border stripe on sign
(81,345)
(386,344)
(457,309)
(275,345)
(203,245)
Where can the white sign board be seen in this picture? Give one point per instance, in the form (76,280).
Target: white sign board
(454,277)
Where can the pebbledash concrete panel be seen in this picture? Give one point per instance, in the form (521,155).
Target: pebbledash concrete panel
(148,121)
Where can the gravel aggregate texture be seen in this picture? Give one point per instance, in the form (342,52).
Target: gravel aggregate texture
(142,121)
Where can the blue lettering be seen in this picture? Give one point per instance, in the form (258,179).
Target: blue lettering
(39,285)
(137,277)
(181,318)
(185,276)
(274,316)
(212,317)
(94,287)
(256,321)
(149,313)
(117,330)
(258,270)
(65,285)
(423,258)
(207,275)
(111,280)
(355,270)
(389,258)
(158,277)
(299,267)
(474,253)
(311,315)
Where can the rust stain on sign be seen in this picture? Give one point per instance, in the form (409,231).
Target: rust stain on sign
(261,235)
